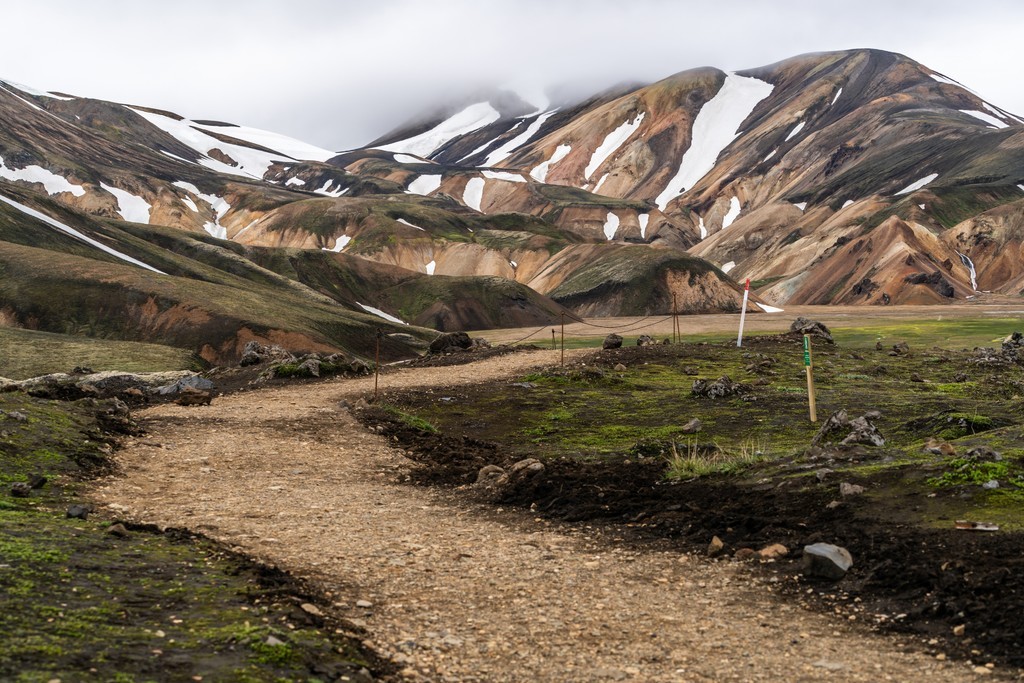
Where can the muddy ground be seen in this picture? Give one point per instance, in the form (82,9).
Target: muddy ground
(959,592)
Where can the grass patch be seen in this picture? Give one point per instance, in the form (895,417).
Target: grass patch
(692,461)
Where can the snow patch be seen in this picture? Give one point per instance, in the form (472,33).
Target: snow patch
(29,90)
(611,143)
(424,184)
(793,133)
(76,234)
(430,267)
(921,206)
(405,222)
(294,181)
(728,266)
(1021,187)
(51,182)
(700,226)
(917,185)
(132,208)
(770,155)
(187,201)
(381,314)
(409,159)
(252,163)
(471,118)
(836,98)
(769,309)
(848,202)
(800,205)
(340,242)
(513,264)
(733,213)
(600,183)
(474,194)
(218,205)
(643,218)
(504,175)
(328,192)
(506,150)
(540,173)
(714,129)
(611,225)
(987,118)
(282,144)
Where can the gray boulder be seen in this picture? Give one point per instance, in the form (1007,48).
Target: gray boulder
(826,561)
(450,342)
(812,327)
(612,341)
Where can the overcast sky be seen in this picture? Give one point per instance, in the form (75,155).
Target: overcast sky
(338,73)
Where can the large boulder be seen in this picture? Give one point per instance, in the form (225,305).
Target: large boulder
(646,340)
(839,429)
(612,341)
(720,388)
(826,561)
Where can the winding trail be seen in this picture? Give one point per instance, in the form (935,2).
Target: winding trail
(463,593)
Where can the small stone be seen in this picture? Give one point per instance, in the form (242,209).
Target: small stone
(982,671)
(310,608)
(364,604)
(693,426)
(990,484)
(846,489)
(36,481)
(159,634)
(118,530)
(271,640)
(823,473)
(20,489)
(829,666)
(774,551)
(941,656)
(78,511)
(744,555)
(833,504)
(826,561)
(716,546)
(959,630)
(619,367)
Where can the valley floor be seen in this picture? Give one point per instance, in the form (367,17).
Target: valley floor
(456,592)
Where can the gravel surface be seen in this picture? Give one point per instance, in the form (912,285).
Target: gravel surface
(456,592)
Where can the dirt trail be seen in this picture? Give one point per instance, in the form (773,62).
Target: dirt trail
(464,594)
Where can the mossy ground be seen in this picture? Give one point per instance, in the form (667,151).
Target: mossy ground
(78,603)
(591,412)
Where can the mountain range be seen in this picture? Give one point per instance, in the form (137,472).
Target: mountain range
(856,177)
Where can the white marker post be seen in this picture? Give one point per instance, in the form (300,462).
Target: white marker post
(743,312)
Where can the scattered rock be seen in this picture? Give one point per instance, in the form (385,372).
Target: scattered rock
(846,490)
(693,426)
(773,551)
(118,530)
(901,349)
(310,366)
(489,475)
(273,641)
(857,431)
(646,340)
(78,511)
(312,609)
(364,604)
(984,453)
(189,383)
(826,561)
(937,447)
(520,471)
(745,555)
(619,367)
(960,377)
(721,387)
(959,630)
(812,327)
(16,415)
(20,489)
(612,341)
(450,342)
(822,474)
(715,547)
(914,377)
(991,484)
(36,481)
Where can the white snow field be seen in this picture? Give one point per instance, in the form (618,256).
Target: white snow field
(132,208)
(834,100)
(471,118)
(218,205)
(328,192)
(29,90)
(381,314)
(987,118)
(503,175)
(643,219)
(540,172)
(28,211)
(506,150)
(769,309)
(424,184)
(430,267)
(733,213)
(716,126)
(728,266)
(51,182)
(339,243)
(612,142)
(408,159)
(796,131)
(611,225)
(405,222)
(917,185)
(289,146)
(800,205)
(474,194)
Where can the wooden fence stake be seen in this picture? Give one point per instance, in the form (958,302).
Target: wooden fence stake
(743,312)
(809,367)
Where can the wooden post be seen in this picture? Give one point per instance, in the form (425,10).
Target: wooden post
(809,367)
(553,344)
(376,365)
(563,340)
(675,320)
(743,312)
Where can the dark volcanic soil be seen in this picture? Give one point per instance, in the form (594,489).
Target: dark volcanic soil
(905,578)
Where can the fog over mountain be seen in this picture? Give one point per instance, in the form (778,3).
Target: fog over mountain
(341,74)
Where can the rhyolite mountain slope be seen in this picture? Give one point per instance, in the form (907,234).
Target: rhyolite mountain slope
(848,177)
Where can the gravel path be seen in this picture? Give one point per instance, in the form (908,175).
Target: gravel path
(460,593)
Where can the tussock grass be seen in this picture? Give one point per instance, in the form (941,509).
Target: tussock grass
(695,461)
